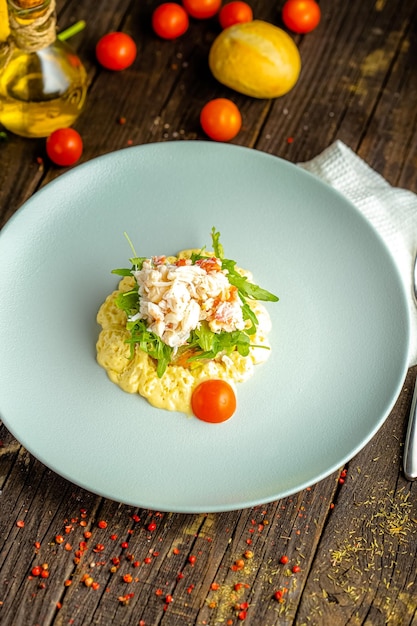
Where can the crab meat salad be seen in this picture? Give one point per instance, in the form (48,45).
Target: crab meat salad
(182,330)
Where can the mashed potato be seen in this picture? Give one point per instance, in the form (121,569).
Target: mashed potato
(137,372)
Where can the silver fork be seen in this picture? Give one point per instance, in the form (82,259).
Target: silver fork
(410,446)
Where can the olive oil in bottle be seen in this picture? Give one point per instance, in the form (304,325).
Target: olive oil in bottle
(43,83)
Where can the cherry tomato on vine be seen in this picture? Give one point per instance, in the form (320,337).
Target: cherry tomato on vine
(213,401)
(170,20)
(64,146)
(235,13)
(202,9)
(220,119)
(116,51)
(301,16)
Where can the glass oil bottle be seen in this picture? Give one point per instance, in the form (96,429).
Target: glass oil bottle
(43,83)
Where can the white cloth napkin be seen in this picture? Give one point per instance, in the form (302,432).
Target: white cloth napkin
(392,211)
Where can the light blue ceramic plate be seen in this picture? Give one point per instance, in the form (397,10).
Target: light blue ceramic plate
(340,330)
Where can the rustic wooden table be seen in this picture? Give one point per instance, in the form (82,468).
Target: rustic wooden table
(354,534)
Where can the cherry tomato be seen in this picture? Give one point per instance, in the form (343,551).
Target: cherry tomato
(235,13)
(213,401)
(301,16)
(170,20)
(202,9)
(116,51)
(220,119)
(64,146)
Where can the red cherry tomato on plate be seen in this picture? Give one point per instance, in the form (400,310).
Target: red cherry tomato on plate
(235,13)
(202,9)
(116,51)
(170,20)
(221,119)
(301,16)
(213,401)
(64,146)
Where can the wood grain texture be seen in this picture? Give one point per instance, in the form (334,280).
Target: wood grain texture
(353,539)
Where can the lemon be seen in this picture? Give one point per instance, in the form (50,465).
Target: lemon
(255,58)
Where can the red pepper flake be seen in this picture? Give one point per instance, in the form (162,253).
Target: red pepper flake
(248,554)
(20,523)
(87,580)
(59,539)
(296,569)
(44,573)
(159,592)
(136,563)
(68,528)
(242,615)
(331,505)
(68,547)
(341,481)
(169,599)
(113,537)
(192,559)
(136,518)
(151,527)
(214,586)
(102,524)
(124,545)
(190,588)
(68,583)
(283,559)
(147,560)
(36,571)
(122,120)
(278,596)
(125,599)
(37,545)
(83,523)
(95,585)
(127,578)
(115,560)
(238,565)
(175,551)
(99,548)
(87,534)
(155,554)
(249,542)
(290,139)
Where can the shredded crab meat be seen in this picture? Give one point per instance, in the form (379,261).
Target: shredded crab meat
(176,297)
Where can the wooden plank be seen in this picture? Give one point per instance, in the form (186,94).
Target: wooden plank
(366,563)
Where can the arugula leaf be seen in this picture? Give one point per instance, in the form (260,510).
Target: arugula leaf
(217,246)
(150,343)
(245,288)
(122,272)
(128,301)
